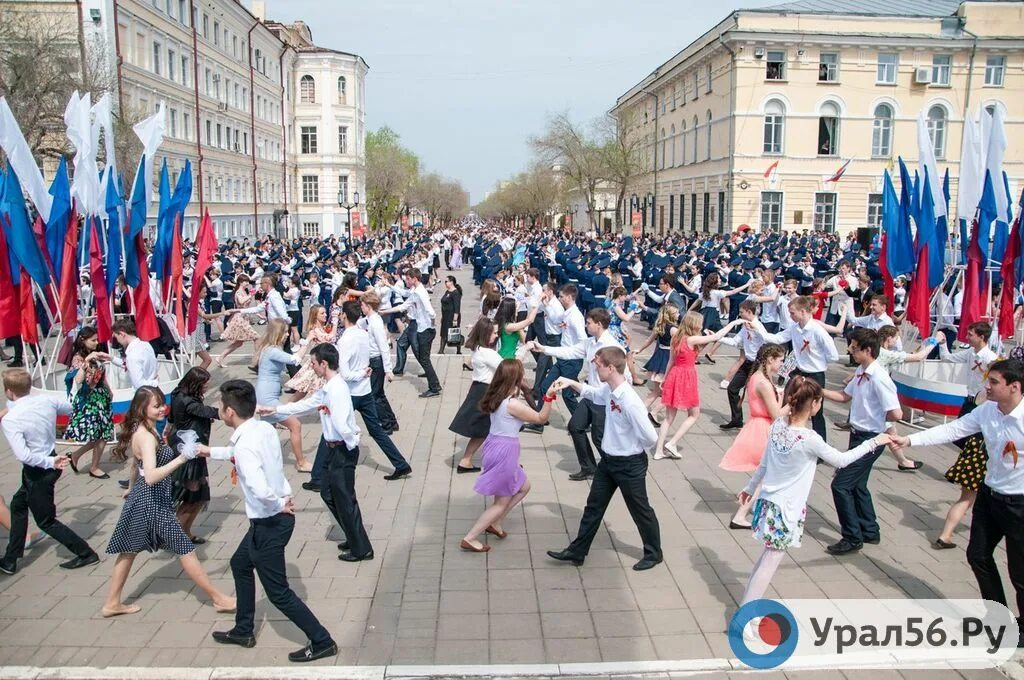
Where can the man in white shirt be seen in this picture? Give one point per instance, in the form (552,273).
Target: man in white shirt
(341,437)
(873,403)
(354,352)
(380,359)
(999,509)
(271,512)
(876,316)
(420,310)
(272,307)
(573,332)
(623,463)
(139,357)
(749,343)
(534,293)
(553,313)
(30,429)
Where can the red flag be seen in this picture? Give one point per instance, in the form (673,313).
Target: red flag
(146,327)
(69,276)
(10,303)
(888,288)
(970,310)
(99,284)
(29,322)
(177,280)
(1009,274)
(919,295)
(207,247)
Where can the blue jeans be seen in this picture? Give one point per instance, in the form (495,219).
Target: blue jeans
(567,368)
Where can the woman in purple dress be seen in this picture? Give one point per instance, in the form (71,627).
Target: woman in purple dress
(502,476)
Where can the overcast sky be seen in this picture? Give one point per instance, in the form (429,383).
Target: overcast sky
(466,82)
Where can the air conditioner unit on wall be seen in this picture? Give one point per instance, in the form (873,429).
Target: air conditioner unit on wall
(923,75)
(758,53)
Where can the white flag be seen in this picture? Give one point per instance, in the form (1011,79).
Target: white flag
(20,157)
(85,186)
(972,173)
(926,158)
(994,160)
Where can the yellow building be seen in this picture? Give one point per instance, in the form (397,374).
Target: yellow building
(812,85)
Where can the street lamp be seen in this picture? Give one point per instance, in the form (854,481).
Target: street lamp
(343,203)
(649,203)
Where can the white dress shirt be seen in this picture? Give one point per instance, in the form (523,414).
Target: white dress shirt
(379,347)
(586,350)
(257,458)
(747,340)
(533,293)
(1004,438)
(978,361)
(871,321)
(354,358)
(627,429)
(418,308)
(337,419)
(873,394)
(770,310)
(140,362)
(554,315)
(812,344)
(29,427)
(785,320)
(573,329)
(273,307)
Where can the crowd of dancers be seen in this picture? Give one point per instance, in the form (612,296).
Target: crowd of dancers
(324,318)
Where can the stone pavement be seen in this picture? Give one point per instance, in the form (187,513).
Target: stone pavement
(424,601)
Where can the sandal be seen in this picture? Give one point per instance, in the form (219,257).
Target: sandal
(73,464)
(494,532)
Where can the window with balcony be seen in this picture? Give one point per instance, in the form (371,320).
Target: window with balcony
(942,65)
(828,67)
(774,126)
(881,132)
(995,70)
(307,138)
(828,130)
(888,65)
(775,65)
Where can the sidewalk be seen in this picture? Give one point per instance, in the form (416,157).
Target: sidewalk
(423,601)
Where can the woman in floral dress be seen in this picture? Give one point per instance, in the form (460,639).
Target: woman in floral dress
(305,380)
(92,423)
(239,330)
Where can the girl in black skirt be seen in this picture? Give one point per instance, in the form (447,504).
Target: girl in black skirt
(191,490)
(470,421)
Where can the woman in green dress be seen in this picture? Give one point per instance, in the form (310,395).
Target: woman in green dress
(92,422)
(510,331)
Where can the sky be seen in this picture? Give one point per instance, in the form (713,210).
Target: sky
(465,83)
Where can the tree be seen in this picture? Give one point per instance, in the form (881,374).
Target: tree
(577,154)
(443,200)
(390,172)
(622,154)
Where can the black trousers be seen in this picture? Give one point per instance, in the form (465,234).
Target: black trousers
(424,341)
(736,386)
(339,495)
(262,551)
(856,511)
(587,414)
(36,496)
(406,341)
(377,379)
(997,516)
(366,405)
(287,347)
(818,421)
(628,474)
(544,362)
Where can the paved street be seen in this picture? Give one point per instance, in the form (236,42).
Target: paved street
(424,601)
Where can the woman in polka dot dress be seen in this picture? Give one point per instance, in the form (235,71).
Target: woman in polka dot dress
(147,519)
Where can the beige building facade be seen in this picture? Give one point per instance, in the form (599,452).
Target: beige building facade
(750,122)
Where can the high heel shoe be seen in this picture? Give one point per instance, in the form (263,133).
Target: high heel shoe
(466,545)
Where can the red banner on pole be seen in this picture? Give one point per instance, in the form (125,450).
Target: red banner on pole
(636,220)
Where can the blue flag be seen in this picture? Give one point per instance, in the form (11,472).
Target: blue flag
(942,223)
(114,235)
(915,200)
(21,241)
(986,216)
(927,234)
(140,202)
(1020,258)
(899,258)
(60,213)
(182,195)
(907,200)
(162,245)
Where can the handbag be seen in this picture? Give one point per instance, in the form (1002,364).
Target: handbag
(455,337)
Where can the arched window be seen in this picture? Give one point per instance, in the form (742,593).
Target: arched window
(696,138)
(342,89)
(937,130)
(673,142)
(307,90)
(664,149)
(682,143)
(774,126)
(707,151)
(828,130)
(881,132)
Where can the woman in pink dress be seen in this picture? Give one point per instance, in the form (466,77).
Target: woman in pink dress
(680,391)
(239,330)
(305,380)
(745,453)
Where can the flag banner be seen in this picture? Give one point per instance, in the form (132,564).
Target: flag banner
(207,241)
(69,276)
(975,284)
(838,174)
(146,326)
(10,301)
(771,174)
(60,218)
(99,285)
(29,320)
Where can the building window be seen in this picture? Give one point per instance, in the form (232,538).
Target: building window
(172,64)
(696,86)
(682,152)
(937,130)
(828,130)
(721,212)
(220,136)
(156,57)
(182,13)
(696,132)
(995,69)
(343,186)
(173,119)
(672,141)
(310,230)
(775,66)
(308,139)
(209,136)
(941,66)
(825,212)
(682,212)
(771,211)
(206,26)
(342,139)
(828,67)
(207,82)
(184,70)
(310,189)
(216,33)
(881,132)
(186,123)
(874,211)
(707,78)
(888,63)
(342,89)
(675,96)
(707,213)
(693,212)
(663,97)
(307,90)
(774,126)
(664,148)
(707,151)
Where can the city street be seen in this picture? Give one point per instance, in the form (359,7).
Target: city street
(424,601)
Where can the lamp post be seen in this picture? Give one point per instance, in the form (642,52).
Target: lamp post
(343,203)
(649,203)
(572,210)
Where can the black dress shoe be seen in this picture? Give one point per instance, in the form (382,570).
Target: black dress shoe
(581,476)
(310,486)
(917,465)
(535,429)
(843,547)
(730,426)
(736,526)
(343,545)
(565,556)
(310,653)
(466,470)
(349,557)
(422,375)
(397,373)
(227,637)
(646,563)
(254,369)
(939,544)
(79,562)
(874,540)
(123,483)
(430,393)
(398,474)
(9,568)
(395,428)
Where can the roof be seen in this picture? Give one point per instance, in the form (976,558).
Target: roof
(905,8)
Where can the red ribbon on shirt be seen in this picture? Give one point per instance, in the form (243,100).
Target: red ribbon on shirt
(977,366)
(234,472)
(807,343)
(861,377)
(615,407)
(323,409)
(1011,449)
